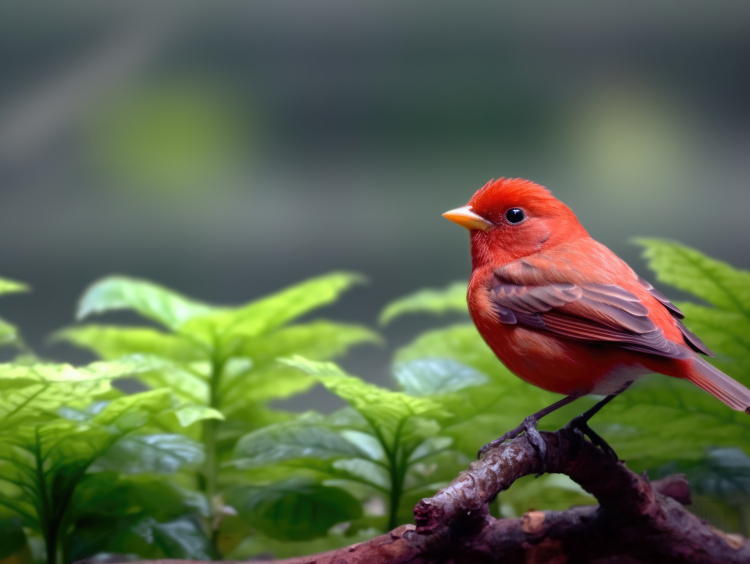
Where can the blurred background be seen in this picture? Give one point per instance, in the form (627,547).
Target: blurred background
(227,149)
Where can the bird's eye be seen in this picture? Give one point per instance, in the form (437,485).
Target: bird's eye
(515,215)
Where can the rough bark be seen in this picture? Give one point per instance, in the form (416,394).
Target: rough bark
(636,521)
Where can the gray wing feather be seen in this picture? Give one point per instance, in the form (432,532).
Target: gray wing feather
(595,313)
(673,309)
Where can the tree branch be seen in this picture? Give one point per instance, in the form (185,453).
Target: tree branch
(636,521)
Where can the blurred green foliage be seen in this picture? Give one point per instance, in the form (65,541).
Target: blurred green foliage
(171,137)
(201,464)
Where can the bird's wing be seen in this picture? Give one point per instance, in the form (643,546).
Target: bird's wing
(690,338)
(583,311)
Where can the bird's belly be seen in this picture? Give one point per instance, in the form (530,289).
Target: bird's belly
(562,365)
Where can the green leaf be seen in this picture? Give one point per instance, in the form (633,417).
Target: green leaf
(450,299)
(112,341)
(430,447)
(188,382)
(189,414)
(723,327)
(709,279)
(262,315)
(364,471)
(502,403)
(13,542)
(302,438)
(181,538)
(45,460)
(461,343)
(12,287)
(365,442)
(158,454)
(662,419)
(723,473)
(111,494)
(130,412)
(378,405)
(260,386)
(264,378)
(295,509)
(727,333)
(319,340)
(433,376)
(150,300)
(245,421)
(39,390)
(8,333)
(686,419)
(106,507)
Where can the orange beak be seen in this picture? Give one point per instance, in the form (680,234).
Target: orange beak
(467,218)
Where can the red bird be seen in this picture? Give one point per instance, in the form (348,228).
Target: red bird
(564,313)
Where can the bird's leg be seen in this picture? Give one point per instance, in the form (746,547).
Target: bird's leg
(529,426)
(579,424)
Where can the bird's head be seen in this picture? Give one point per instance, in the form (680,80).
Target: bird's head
(513,218)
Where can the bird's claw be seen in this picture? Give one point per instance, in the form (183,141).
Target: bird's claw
(497,442)
(512,434)
(532,435)
(579,427)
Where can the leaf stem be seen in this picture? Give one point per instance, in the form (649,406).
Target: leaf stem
(397,471)
(210,482)
(47,523)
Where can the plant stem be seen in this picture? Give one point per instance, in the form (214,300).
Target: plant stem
(210,484)
(51,546)
(44,509)
(397,471)
(210,468)
(395,497)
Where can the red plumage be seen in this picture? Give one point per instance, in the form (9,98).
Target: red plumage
(562,311)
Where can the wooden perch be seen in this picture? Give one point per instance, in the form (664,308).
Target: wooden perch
(636,521)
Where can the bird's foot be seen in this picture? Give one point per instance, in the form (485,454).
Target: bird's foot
(535,439)
(579,426)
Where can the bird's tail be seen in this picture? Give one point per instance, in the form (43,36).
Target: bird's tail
(718,384)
